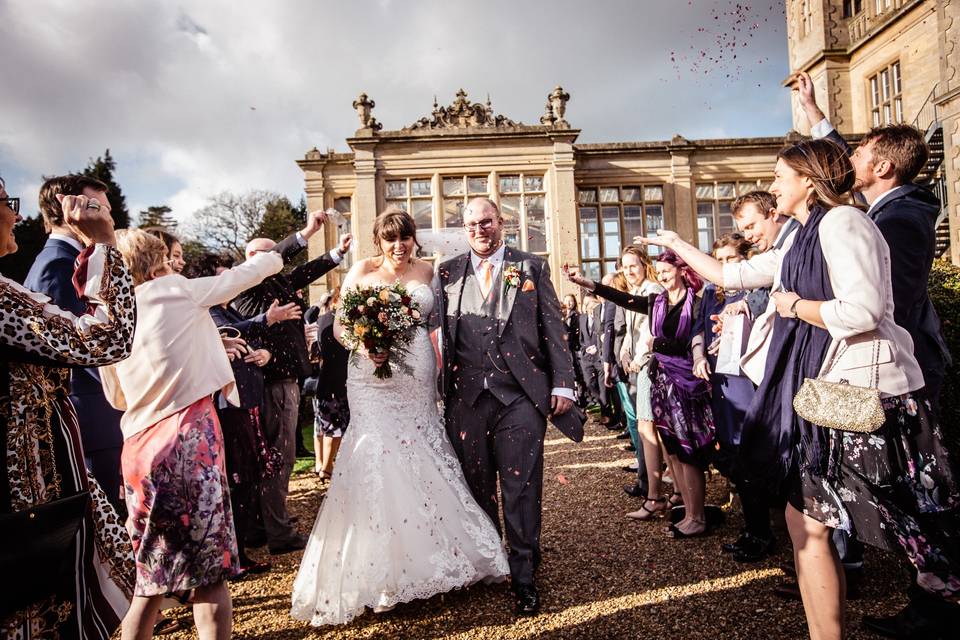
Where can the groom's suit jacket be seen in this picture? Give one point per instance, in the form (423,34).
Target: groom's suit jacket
(533,338)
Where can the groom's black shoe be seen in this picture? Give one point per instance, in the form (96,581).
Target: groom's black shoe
(528,600)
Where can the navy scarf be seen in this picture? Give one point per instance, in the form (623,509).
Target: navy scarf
(771,429)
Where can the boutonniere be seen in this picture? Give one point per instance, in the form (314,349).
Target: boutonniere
(511,276)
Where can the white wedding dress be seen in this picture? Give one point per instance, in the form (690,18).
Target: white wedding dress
(398,522)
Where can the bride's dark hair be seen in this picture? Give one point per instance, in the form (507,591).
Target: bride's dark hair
(391,224)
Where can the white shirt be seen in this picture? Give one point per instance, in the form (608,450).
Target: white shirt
(73,242)
(496,261)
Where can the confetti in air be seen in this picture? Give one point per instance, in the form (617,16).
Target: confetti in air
(721,47)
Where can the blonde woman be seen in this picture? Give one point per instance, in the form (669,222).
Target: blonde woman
(173,462)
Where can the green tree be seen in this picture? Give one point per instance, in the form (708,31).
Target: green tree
(158,216)
(102,169)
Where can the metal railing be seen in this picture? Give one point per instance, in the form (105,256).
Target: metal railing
(927,116)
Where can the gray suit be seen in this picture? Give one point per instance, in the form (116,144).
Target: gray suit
(502,355)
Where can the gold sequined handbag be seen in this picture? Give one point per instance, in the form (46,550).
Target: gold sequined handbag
(841,405)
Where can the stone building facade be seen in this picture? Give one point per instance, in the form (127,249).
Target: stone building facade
(873,61)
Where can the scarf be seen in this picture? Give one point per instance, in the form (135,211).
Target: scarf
(678,368)
(772,431)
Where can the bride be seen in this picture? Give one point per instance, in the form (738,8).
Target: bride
(398,522)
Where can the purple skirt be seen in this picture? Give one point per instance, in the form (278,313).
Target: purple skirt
(685,423)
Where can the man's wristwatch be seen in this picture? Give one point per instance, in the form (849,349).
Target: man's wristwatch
(793,308)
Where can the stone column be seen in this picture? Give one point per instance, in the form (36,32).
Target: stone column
(678,201)
(561,214)
(365,200)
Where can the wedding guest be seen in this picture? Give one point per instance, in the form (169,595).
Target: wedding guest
(605,317)
(248,459)
(617,377)
(588,354)
(174,248)
(755,214)
(44,466)
(680,400)
(730,398)
(52,274)
(571,320)
(635,359)
(894,488)
(330,406)
(886,162)
(290,363)
(173,458)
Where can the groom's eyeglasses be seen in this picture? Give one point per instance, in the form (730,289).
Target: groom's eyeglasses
(483,225)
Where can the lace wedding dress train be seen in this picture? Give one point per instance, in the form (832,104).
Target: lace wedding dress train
(398,522)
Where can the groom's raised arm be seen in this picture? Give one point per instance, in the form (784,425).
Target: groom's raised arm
(553,337)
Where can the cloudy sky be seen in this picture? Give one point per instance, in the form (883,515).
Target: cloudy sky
(198,97)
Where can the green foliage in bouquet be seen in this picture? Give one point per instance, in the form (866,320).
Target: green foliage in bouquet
(380,320)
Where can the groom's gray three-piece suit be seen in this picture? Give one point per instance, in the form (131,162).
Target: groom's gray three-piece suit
(502,356)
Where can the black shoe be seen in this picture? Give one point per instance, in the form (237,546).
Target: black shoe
(614,426)
(630,448)
(922,618)
(629,469)
(634,490)
(754,549)
(733,547)
(255,541)
(528,600)
(623,436)
(296,543)
(714,514)
(788,590)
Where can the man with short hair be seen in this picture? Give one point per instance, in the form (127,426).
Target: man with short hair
(506,370)
(290,363)
(52,275)
(885,163)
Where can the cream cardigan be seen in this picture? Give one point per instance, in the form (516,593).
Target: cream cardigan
(177,355)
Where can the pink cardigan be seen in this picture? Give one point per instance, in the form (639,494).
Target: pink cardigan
(177,355)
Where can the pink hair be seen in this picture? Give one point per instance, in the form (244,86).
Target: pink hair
(687,275)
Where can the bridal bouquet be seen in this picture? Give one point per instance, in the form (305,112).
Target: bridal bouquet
(379,319)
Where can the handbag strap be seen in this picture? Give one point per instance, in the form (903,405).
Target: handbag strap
(876,362)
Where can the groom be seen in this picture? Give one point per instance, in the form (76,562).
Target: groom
(506,369)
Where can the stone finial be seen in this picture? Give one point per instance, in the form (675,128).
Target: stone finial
(558,104)
(548,118)
(364,107)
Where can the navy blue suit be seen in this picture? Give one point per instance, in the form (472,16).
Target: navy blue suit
(52,274)
(907,220)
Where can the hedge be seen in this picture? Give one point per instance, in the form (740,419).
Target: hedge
(944,287)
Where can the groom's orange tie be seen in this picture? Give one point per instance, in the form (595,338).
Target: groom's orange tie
(486,277)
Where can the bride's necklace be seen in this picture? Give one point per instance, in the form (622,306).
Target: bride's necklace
(395,271)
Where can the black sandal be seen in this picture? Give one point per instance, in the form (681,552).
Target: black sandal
(675,503)
(644,510)
(674,532)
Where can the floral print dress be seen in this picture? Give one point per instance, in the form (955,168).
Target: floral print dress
(894,489)
(181,521)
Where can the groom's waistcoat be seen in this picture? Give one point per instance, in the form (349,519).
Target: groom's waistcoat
(478,346)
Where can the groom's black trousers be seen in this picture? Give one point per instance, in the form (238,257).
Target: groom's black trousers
(492,439)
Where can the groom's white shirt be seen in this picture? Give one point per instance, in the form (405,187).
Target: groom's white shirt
(496,261)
